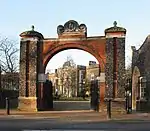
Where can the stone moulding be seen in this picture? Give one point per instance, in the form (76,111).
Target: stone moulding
(115,29)
(72,27)
(32,33)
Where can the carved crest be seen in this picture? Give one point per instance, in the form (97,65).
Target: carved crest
(71,26)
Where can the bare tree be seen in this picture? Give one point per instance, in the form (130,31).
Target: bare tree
(8,55)
(128,72)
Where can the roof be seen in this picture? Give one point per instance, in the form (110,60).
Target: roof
(115,28)
(31,33)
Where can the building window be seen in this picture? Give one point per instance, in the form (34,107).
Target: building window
(142,85)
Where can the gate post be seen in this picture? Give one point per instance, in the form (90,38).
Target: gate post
(115,61)
(28,70)
(47,95)
(95,95)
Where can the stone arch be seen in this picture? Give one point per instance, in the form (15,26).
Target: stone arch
(135,76)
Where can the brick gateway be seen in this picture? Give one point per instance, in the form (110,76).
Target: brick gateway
(36,51)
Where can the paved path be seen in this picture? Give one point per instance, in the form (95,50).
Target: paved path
(70,124)
(73,120)
(78,113)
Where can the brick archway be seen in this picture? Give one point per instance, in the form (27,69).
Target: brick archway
(36,51)
(82,46)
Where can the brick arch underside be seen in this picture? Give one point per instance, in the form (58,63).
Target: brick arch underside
(135,76)
(93,51)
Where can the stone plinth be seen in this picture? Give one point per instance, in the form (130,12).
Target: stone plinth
(117,105)
(27,104)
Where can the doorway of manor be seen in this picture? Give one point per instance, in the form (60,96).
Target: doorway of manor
(135,87)
(71,78)
(37,51)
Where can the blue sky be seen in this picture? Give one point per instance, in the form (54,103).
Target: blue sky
(18,16)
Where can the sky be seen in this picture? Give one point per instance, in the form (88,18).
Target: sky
(18,16)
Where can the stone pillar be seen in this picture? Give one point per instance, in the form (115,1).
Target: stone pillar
(121,67)
(29,70)
(115,61)
(41,73)
(109,68)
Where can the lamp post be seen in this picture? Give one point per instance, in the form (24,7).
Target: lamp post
(92,92)
(83,88)
(67,86)
(56,86)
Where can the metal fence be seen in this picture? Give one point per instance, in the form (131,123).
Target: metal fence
(10,81)
(9,88)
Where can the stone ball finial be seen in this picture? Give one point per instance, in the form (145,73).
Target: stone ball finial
(32,27)
(115,23)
